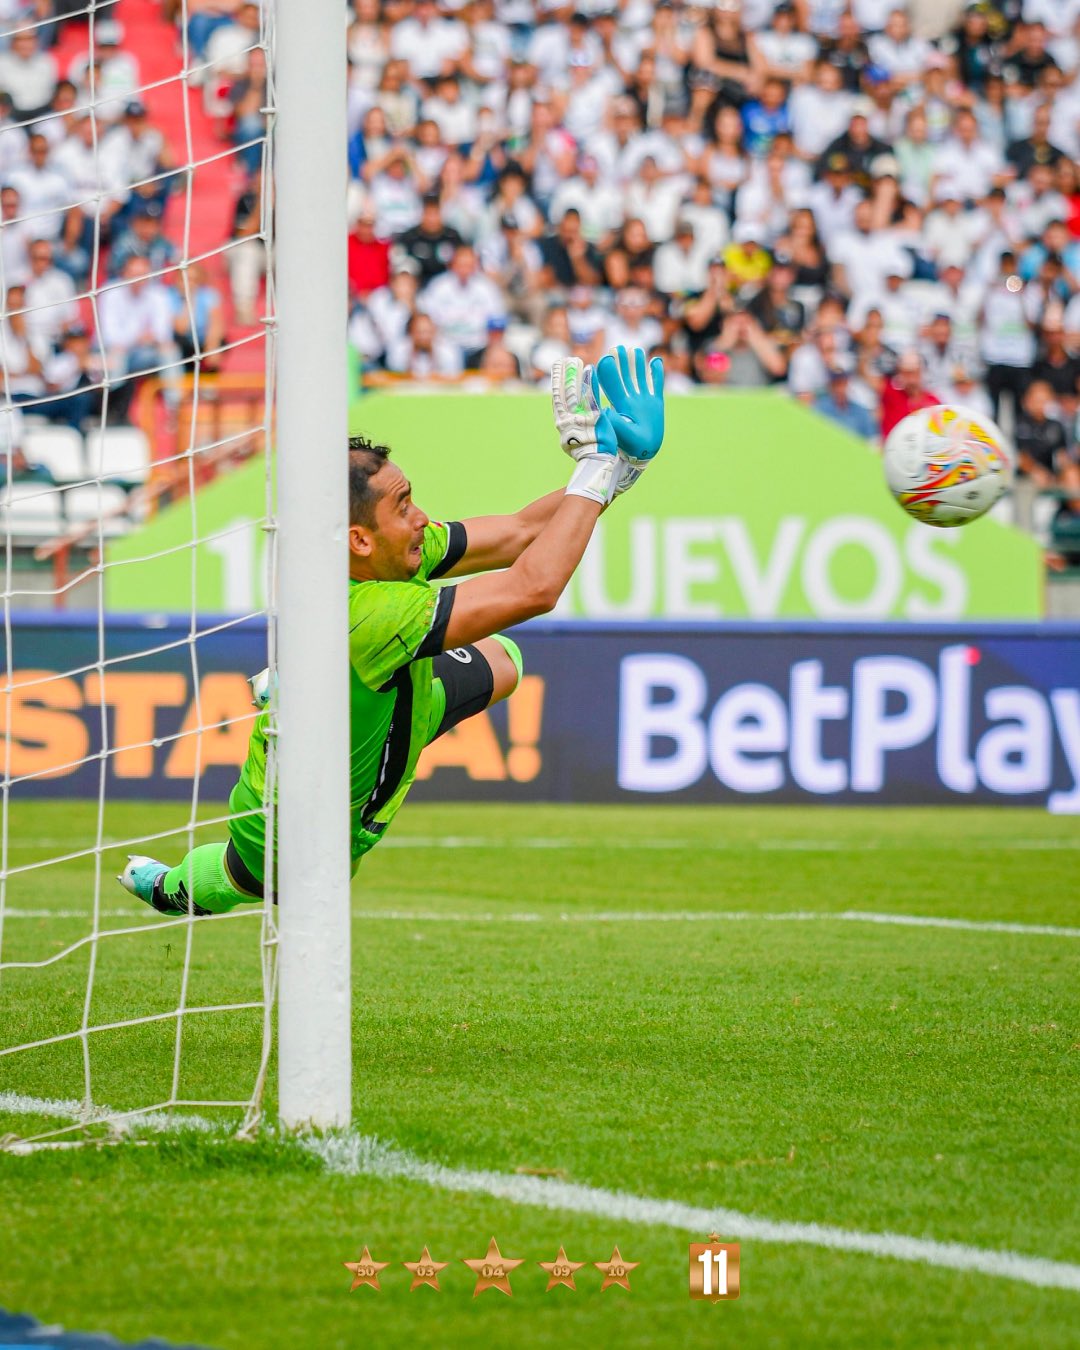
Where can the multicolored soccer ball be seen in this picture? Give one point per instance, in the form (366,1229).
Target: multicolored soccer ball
(947,465)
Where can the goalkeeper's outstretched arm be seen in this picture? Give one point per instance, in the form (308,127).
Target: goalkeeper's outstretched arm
(498,541)
(532,584)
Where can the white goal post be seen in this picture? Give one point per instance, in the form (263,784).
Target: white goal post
(91,1034)
(315,1044)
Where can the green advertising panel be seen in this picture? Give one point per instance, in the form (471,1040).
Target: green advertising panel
(756,508)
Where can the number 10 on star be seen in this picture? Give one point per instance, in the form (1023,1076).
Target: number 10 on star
(714,1269)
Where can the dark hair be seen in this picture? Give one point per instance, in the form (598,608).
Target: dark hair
(365,461)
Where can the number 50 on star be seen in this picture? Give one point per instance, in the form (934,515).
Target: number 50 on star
(714,1270)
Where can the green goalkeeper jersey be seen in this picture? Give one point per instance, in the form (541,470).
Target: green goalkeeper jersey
(395,628)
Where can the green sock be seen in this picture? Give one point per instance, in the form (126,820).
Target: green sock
(203,876)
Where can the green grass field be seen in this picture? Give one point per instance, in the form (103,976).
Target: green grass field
(554,991)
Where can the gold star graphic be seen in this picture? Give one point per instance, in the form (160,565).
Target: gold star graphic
(425,1271)
(616,1271)
(365,1271)
(493,1270)
(561,1270)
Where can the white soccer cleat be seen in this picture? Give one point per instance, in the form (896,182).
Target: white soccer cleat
(139,875)
(261,688)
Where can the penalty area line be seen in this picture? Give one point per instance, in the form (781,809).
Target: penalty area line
(722,916)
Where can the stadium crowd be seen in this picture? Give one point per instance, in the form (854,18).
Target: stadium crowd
(874,206)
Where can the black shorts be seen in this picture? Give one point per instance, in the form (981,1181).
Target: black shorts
(468,684)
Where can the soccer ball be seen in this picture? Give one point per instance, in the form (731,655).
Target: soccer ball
(947,465)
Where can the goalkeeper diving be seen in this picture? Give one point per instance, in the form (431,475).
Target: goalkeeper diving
(424,658)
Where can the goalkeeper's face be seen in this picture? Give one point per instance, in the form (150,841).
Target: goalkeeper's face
(390,548)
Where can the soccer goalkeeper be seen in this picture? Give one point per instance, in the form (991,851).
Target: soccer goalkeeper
(424,658)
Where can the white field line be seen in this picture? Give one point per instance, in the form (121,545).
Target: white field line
(69,914)
(645,916)
(561,843)
(161,1122)
(724,916)
(366,1155)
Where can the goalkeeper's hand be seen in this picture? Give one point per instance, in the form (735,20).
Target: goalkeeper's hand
(586,434)
(637,410)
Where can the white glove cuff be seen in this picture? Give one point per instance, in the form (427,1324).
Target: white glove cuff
(629,472)
(595,477)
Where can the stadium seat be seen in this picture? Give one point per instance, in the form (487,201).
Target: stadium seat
(30,511)
(107,502)
(60,449)
(119,454)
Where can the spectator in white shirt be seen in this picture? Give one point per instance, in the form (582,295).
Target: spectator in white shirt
(781,50)
(897,51)
(872,15)
(136,319)
(862,256)
(969,163)
(50,296)
(553,45)
(773,189)
(834,199)
(618,151)
(1057,16)
(632,325)
(15,236)
(681,266)
(820,111)
(44,192)
(709,223)
(621,45)
(585,319)
(949,230)
(1036,201)
(487,56)
(600,205)
(590,92)
(391,307)
(116,72)
(228,47)
(395,196)
(430,45)
(135,150)
(14,142)
(655,200)
(89,170)
(422,353)
(24,355)
(962,388)
(28,75)
(554,343)
(460,302)
(455,118)
(75,372)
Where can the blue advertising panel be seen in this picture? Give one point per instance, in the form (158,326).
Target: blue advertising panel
(650,713)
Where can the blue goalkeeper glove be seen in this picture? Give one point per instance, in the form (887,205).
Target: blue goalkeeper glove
(587,434)
(637,409)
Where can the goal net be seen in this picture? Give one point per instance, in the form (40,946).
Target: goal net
(137,359)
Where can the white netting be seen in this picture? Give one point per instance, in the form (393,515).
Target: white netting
(136,364)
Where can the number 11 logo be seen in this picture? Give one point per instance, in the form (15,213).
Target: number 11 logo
(714,1269)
